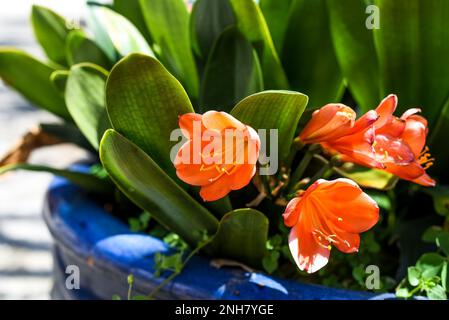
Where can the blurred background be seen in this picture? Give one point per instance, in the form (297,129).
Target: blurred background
(25,258)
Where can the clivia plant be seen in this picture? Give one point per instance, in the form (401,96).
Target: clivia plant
(226,131)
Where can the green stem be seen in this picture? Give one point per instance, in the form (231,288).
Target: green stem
(176,273)
(297,145)
(391,219)
(130,286)
(300,169)
(327,165)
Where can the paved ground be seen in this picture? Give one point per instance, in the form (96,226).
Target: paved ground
(25,259)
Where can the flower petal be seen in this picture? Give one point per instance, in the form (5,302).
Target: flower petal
(348,242)
(394,128)
(410,171)
(415,133)
(357,148)
(393,150)
(365,121)
(292,212)
(217,189)
(425,180)
(308,254)
(410,112)
(346,206)
(217,120)
(188,121)
(242,176)
(330,122)
(385,110)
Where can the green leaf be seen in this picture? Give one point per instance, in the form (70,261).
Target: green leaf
(88,182)
(430,265)
(252,25)
(114,30)
(132,11)
(59,79)
(432,233)
(414,276)
(354,48)
(382,199)
(34,84)
(403,292)
(438,144)
(231,74)
(146,184)
(85,98)
(168,23)
(359,274)
(279,110)
(436,293)
(172,262)
(445,276)
(276,14)
(368,178)
(309,54)
(411,53)
(51,31)
(440,196)
(145,108)
(82,49)
(242,235)
(270,261)
(219,207)
(442,241)
(208,20)
(67,132)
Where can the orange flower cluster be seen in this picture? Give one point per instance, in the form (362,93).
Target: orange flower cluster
(328,213)
(377,140)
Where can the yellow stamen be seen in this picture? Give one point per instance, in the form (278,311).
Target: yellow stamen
(425,159)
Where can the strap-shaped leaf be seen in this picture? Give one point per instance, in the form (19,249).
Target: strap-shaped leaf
(276,14)
(31,78)
(87,181)
(231,74)
(242,235)
(354,48)
(115,34)
(253,26)
(80,49)
(438,144)
(208,20)
(59,79)
(309,54)
(279,110)
(132,11)
(144,102)
(168,23)
(85,98)
(67,132)
(51,31)
(413,45)
(368,178)
(146,184)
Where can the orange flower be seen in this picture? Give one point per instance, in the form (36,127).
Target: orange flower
(328,213)
(335,127)
(220,154)
(400,143)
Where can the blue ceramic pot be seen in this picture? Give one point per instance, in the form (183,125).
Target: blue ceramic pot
(105,252)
